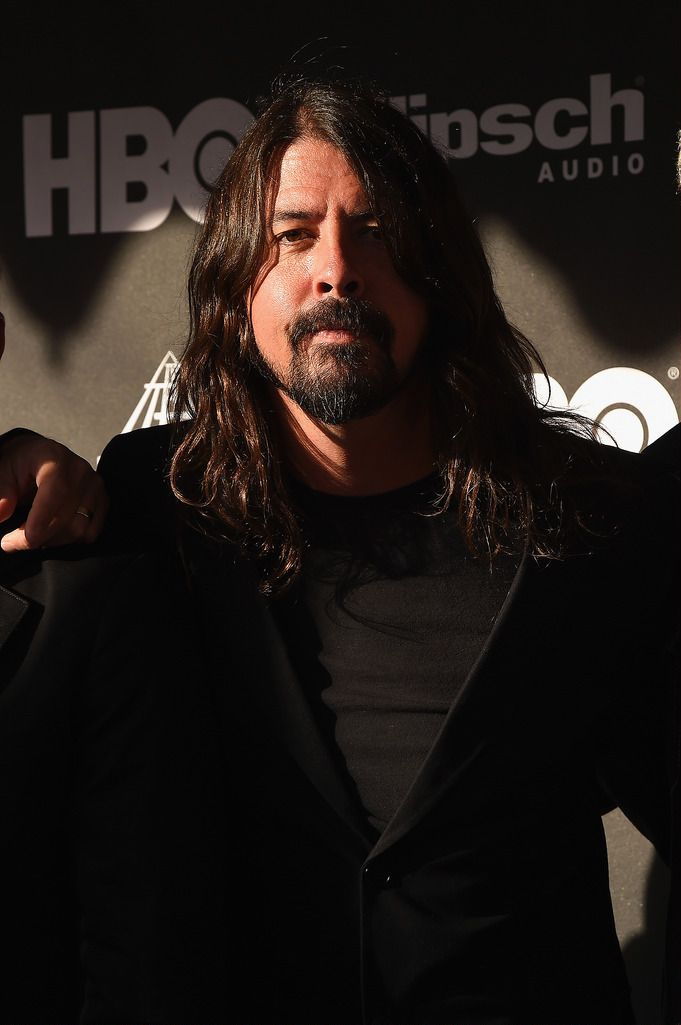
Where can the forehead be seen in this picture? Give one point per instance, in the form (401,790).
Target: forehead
(315,175)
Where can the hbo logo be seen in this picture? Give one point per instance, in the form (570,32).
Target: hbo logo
(143,165)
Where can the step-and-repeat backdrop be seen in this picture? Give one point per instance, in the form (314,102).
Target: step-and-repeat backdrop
(559,121)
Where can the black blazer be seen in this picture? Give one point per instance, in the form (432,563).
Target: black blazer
(106,814)
(486,899)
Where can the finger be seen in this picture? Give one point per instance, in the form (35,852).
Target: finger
(19,540)
(82,509)
(95,499)
(58,531)
(62,484)
(86,522)
(77,529)
(15,541)
(53,507)
(68,489)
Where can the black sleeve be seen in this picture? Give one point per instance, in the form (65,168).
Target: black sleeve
(147,818)
(639,749)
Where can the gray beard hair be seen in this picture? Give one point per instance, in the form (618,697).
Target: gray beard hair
(339,383)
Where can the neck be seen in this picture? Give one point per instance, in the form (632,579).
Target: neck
(368,456)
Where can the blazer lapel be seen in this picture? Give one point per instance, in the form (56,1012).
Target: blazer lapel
(247,647)
(462,738)
(248,650)
(545,630)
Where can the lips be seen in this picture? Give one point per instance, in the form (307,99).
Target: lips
(334,336)
(340,322)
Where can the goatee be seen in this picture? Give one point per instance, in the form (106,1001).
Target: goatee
(336,383)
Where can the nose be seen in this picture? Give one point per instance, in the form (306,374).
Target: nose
(336,269)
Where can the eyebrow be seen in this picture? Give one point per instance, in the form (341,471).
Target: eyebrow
(309,215)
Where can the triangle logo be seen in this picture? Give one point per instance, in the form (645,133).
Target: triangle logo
(152,408)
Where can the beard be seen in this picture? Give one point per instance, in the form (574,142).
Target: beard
(337,383)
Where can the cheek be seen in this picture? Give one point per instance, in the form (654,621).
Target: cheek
(276,298)
(405,307)
(271,311)
(411,324)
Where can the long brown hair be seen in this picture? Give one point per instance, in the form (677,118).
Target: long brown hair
(501,457)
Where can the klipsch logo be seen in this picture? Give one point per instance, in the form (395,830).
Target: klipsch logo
(632,405)
(558,126)
(122,168)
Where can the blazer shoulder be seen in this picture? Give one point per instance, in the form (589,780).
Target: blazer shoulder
(623,500)
(660,476)
(664,454)
(135,470)
(655,469)
(647,509)
(148,448)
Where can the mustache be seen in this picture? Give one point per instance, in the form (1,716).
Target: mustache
(355,315)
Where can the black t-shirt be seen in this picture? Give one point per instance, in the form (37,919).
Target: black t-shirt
(384,627)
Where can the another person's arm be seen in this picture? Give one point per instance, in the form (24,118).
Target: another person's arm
(65,498)
(60,494)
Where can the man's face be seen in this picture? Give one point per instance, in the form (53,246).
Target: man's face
(335,326)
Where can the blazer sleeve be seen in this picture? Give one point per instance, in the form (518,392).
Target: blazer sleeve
(638,749)
(146,810)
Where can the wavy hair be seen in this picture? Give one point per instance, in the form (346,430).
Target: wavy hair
(501,457)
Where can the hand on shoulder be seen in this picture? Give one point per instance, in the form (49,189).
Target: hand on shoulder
(66,499)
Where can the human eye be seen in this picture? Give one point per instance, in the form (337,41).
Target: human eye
(291,236)
(373,231)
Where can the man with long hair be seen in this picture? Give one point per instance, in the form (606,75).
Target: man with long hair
(402,364)
(419,595)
